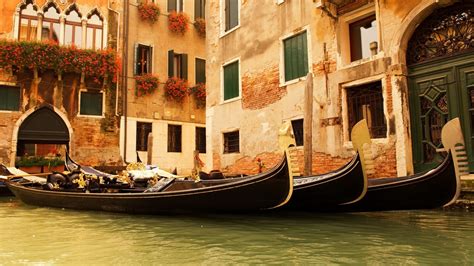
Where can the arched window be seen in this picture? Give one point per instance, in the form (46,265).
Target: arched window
(50,27)
(95,31)
(73,29)
(28,22)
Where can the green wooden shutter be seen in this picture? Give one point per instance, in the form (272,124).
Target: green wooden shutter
(170,63)
(91,103)
(231,80)
(9,98)
(184,66)
(200,71)
(197,9)
(227,14)
(171,5)
(296,56)
(234,13)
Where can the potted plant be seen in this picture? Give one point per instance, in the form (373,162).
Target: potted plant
(146,84)
(178,22)
(200,25)
(176,89)
(149,12)
(39,164)
(199,93)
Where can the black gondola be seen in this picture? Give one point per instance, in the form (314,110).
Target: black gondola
(263,191)
(435,188)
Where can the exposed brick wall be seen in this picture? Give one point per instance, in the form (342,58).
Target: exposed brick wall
(262,88)
(388,89)
(385,164)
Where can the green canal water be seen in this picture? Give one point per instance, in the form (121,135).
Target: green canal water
(46,236)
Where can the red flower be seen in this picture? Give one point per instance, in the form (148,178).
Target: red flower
(178,22)
(200,25)
(149,11)
(199,92)
(146,84)
(176,89)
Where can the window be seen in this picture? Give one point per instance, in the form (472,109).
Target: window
(9,98)
(366,102)
(175,5)
(143,59)
(362,33)
(201,139)
(28,22)
(200,70)
(94,31)
(298,131)
(199,9)
(143,130)
(231,80)
(231,142)
(73,28)
(231,11)
(50,27)
(177,65)
(295,56)
(91,103)
(174,138)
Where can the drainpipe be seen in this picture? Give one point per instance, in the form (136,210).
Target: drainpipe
(117,48)
(125,76)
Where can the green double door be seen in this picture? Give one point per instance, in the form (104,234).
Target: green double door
(438,92)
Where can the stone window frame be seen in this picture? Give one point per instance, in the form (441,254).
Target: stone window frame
(135,58)
(168,138)
(104,96)
(145,137)
(223,31)
(283,82)
(62,23)
(238,98)
(197,137)
(347,143)
(224,140)
(343,35)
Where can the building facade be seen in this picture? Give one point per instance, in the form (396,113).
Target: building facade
(58,80)
(175,54)
(404,66)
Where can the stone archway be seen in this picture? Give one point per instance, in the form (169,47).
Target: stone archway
(41,125)
(440,59)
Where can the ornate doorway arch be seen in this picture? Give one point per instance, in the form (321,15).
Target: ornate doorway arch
(440,59)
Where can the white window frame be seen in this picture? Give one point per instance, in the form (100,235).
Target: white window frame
(223,32)
(282,55)
(91,116)
(238,98)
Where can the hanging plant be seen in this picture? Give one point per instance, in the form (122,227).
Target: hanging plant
(176,89)
(178,22)
(51,56)
(199,93)
(200,25)
(146,84)
(149,12)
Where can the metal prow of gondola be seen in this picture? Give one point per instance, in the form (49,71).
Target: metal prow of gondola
(453,142)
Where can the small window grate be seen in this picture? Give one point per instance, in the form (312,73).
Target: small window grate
(232,142)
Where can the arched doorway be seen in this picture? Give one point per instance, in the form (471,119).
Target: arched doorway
(440,59)
(42,133)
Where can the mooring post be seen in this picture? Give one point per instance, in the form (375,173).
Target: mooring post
(308,126)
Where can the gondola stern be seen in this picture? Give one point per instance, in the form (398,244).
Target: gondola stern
(290,182)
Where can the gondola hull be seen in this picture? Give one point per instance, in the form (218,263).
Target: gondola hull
(266,190)
(324,192)
(4,191)
(430,190)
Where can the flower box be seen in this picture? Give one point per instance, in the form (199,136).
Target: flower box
(149,12)
(178,22)
(176,89)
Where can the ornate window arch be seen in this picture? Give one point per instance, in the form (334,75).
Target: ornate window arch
(95,30)
(50,29)
(28,21)
(73,27)
(448,31)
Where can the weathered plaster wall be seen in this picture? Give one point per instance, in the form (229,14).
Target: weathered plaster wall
(266,103)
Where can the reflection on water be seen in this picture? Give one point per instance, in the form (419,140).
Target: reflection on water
(33,235)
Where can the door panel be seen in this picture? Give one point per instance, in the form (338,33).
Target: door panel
(430,102)
(466,91)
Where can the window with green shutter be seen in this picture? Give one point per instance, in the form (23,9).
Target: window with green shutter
(199,9)
(9,98)
(231,14)
(231,80)
(200,71)
(296,56)
(91,103)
